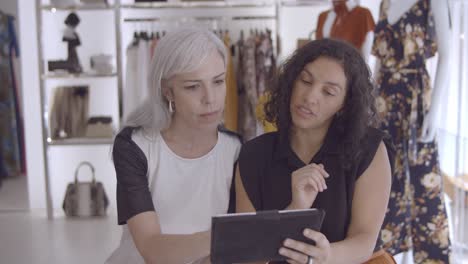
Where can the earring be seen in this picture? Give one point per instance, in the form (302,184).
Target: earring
(171,107)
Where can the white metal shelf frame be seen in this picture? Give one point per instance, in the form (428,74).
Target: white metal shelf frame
(46,76)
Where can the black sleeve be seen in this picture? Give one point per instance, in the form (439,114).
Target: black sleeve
(252,162)
(133,194)
(372,143)
(232,192)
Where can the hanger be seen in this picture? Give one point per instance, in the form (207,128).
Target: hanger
(136,38)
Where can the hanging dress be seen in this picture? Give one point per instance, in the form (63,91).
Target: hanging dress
(416,216)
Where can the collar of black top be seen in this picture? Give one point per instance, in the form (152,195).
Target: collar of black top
(331,144)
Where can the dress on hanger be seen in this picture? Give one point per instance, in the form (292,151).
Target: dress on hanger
(247,88)
(351,23)
(11,137)
(136,87)
(232,99)
(416,216)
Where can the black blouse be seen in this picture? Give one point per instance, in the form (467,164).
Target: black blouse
(266,165)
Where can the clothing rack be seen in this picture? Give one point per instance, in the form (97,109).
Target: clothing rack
(215,19)
(156,19)
(184,5)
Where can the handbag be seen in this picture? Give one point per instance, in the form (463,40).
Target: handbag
(85,199)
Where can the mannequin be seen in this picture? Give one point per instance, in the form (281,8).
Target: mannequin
(72,63)
(329,25)
(404,84)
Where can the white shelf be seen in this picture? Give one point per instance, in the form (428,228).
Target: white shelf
(84,7)
(80,141)
(83,75)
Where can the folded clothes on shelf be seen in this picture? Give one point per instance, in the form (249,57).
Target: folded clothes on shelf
(99,126)
(102,63)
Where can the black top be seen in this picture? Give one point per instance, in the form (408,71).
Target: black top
(266,165)
(131,167)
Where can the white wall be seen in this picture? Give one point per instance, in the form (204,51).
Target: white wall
(31,95)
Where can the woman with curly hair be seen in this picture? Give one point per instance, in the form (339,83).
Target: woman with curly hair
(326,154)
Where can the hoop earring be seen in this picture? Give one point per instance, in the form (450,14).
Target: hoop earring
(171,107)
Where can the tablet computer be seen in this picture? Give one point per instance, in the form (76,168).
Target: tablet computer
(249,237)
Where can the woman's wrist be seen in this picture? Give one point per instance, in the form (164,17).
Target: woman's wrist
(294,206)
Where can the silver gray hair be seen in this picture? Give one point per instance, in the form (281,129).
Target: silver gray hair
(180,51)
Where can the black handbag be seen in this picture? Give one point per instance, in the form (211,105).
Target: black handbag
(85,199)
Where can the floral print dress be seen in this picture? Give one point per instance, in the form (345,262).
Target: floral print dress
(416,216)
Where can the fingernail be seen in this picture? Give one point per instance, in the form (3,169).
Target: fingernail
(306,232)
(287,242)
(282,251)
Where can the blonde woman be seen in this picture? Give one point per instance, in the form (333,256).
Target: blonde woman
(174,165)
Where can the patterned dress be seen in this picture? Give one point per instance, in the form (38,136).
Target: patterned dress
(11,146)
(416,216)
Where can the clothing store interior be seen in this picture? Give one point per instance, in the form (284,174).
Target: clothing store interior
(72,72)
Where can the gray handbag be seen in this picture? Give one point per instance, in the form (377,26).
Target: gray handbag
(85,199)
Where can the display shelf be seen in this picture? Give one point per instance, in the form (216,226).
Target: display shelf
(79,141)
(85,7)
(84,75)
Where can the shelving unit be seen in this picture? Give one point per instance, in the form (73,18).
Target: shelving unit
(48,79)
(78,7)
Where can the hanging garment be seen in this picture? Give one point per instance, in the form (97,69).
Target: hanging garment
(68,117)
(136,79)
(14,54)
(347,21)
(265,62)
(416,217)
(266,69)
(260,59)
(153,44)
(232,98)
(248,89)
(270,60)
(131,73)
(10,120)
(260,114)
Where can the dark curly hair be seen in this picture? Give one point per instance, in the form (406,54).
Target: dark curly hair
(359,111)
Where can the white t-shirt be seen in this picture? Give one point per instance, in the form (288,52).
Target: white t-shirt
(185,193)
